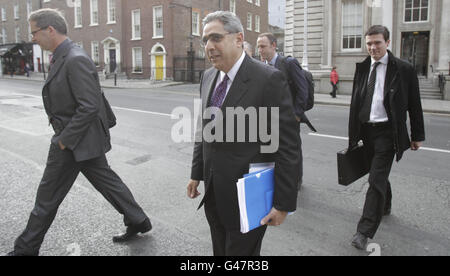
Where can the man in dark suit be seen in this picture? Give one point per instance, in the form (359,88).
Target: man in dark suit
(75,108)
(294,74)
(240,81)
(385,89)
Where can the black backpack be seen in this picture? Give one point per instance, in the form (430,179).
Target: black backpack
(309,78)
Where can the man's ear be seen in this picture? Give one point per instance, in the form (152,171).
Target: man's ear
(240,40)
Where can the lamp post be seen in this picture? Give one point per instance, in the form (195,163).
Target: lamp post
(305,64)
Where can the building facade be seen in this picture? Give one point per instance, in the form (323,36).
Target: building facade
(420,34)
(145,39)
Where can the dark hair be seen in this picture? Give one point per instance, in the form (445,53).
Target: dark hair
(378,29)
(270,37)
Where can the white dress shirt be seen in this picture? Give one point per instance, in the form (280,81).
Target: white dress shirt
(378,111)
(231,74)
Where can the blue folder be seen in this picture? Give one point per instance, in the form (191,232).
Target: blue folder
(255,195)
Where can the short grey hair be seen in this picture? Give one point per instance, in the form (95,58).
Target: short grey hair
(230,21)
(45,18)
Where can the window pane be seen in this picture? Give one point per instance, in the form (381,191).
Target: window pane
(416,3)
(416,13)
(345,44)
(408,16)
(408,4)
(425,3)
(424,15)
(359,42)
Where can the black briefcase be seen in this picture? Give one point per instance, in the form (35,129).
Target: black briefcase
(352,165)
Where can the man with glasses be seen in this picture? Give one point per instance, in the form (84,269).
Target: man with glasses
(236,80)
(75,108)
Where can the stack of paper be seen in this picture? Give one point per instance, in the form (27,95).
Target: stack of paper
(255,194)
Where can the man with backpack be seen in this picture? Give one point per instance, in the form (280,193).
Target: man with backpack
(300,82)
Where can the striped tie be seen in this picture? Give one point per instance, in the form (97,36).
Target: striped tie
(364,114)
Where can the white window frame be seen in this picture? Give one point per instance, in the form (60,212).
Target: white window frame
(257,23)
(4,36)
(78,14)
(136,30)
(17,34)
(343,17)
(233,6)
(258,3)
(3,14)
(112,12)
(16,11)
(135,61)
(155,23)
(94,13)
(195,23)
(250,1)
(249,21)
(95,52)
(420,13)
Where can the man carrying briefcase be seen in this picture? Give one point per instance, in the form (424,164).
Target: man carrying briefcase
(385,88)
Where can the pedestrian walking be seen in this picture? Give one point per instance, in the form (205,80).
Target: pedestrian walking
(73,102)
(295,75)
(334,80)
(385,89)
(236,80)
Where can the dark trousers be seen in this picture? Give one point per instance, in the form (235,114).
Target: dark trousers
(228,242)
(334,92)
(300,158)
(379,145)
(59,176)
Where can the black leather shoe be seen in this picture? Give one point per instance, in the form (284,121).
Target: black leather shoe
(14,254)
(359,241)
(133,230)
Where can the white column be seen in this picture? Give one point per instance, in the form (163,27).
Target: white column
(388,16)
(444,39)
(305,36)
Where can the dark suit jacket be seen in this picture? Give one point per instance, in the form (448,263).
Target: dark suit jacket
(222,164)
(297,82)
(73,102)
(402,95)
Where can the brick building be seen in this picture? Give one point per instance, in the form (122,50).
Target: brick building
(148,39)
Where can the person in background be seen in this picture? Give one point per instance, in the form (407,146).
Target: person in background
(334,80)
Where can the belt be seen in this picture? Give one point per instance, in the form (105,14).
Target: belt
(377,124)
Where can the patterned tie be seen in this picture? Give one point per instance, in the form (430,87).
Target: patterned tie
(364,114)
(219,93)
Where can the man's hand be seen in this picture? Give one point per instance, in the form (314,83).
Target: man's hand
(61,146)
(192,191)
(415,146)
(274,218)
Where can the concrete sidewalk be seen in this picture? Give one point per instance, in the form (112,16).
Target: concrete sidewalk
(108,83)
(429,106)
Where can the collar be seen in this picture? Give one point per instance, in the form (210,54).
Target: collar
(384,60)
(234,70)
(60,49)
(274,60)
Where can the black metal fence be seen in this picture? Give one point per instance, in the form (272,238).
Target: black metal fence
(189,69)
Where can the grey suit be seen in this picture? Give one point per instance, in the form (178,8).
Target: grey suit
(73,102)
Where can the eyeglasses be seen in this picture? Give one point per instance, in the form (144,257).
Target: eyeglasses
(216,38)
(33,33)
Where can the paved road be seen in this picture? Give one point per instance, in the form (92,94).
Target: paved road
(157,170)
